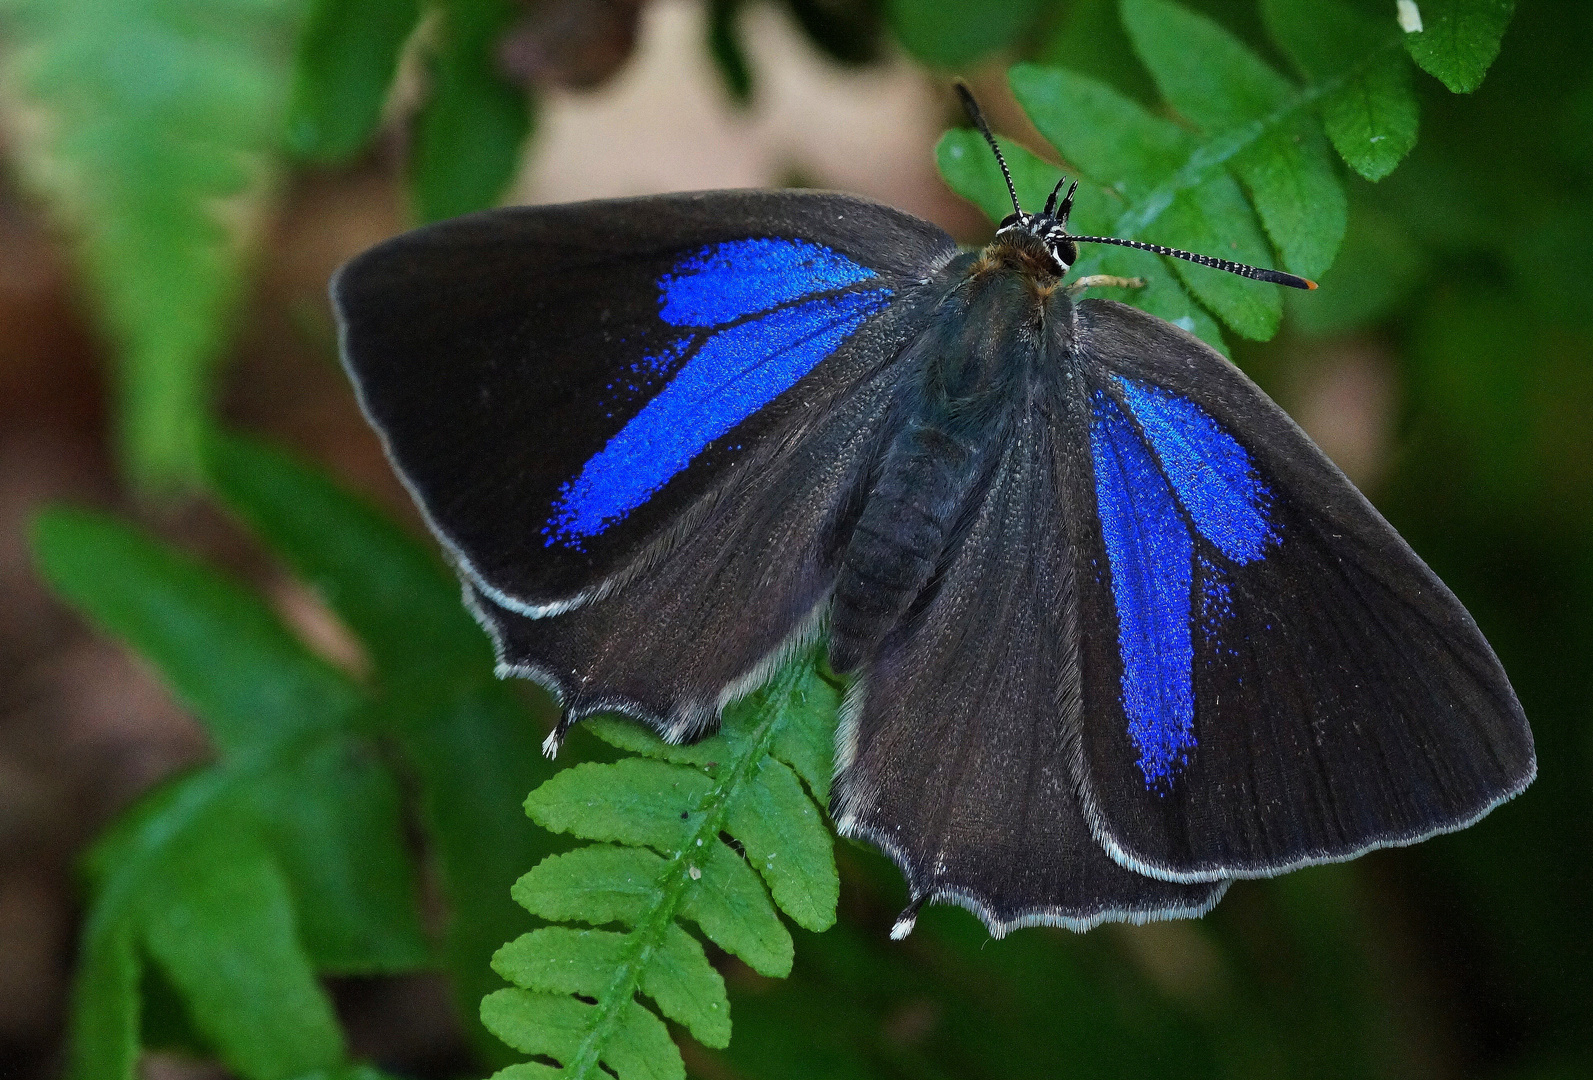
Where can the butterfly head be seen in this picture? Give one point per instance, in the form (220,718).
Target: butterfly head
(1049,227)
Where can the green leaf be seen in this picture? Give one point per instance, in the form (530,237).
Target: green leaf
(1324,38)
(687,988)
(554,1025)
(1371,118)
(1297,194)
(629,735)
(529,1070)
(469,133)
(292,779)
(222,650)
(1459,39)
(1088,38)
(105,1008)
(634,801)
(949,33)
(971,170)
(599,885)
(649,803)
(677,976)
(475,754)
(166,1023)
(156,121)
(805,738)
(347,56)
(1202,70)
(1107,136)
(1214,218)
(350,1072)
(1215,80)
(1120,146)
(593,885)
(680,801)
(733,909)
(218,918)
(336,829)
(391,591)
(467,737)
(189,873)
(788,844)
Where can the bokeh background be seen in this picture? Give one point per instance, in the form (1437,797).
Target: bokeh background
(1450,374)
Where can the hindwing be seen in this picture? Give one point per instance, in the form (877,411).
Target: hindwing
(1270,675)
(956,746)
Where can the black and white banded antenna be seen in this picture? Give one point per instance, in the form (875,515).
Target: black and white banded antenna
(1256,273)
(1060,217)
(978,117)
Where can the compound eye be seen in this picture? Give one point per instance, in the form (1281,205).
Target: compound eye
(1066,252)
(1010,219)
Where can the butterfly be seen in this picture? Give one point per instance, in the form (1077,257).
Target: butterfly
(1118,633)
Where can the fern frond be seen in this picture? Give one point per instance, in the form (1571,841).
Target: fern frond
(152,132)
(1254,179)
(662,821)
(237,884)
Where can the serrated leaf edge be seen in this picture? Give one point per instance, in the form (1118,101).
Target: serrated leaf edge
(674,881)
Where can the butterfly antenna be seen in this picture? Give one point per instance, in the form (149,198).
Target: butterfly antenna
(1256,273)
(978,119)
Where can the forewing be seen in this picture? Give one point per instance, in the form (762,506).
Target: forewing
(1270,675)
(558,384)
(955,747)
(745,577)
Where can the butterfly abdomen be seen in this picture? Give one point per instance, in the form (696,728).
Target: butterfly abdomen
(898,539)
(974,363)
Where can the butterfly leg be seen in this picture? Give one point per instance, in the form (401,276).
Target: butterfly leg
(1110,281)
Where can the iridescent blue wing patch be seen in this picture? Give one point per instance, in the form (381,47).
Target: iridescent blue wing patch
(1269,676)
(1164,480)
(755,316)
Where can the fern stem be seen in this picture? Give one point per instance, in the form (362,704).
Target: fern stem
(674,882)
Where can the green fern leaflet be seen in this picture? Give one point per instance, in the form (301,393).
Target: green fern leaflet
(1248,175)
(703,834)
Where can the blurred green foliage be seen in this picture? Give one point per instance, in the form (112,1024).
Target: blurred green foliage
(287,856)
(151,127)
(1454,210)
